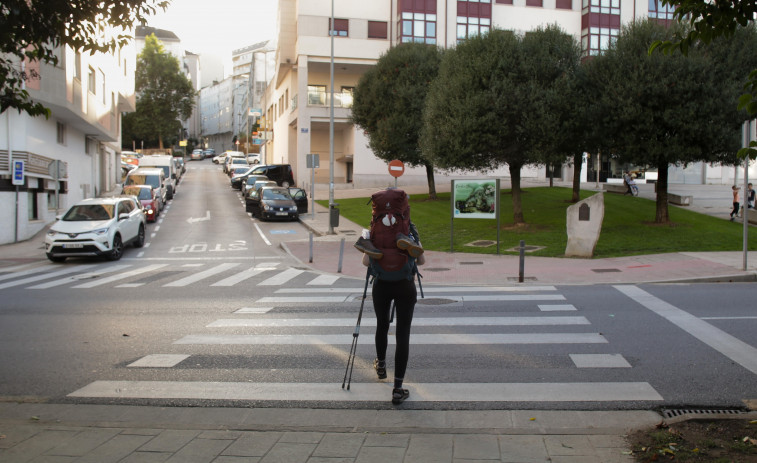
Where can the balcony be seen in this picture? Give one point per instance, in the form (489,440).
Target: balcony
(320,97)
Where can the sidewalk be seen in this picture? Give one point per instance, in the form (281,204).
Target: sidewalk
(33,432)
(486,269)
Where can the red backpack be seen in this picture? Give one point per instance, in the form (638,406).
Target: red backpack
(391,216)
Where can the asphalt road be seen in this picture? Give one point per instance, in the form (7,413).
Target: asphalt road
(213,312)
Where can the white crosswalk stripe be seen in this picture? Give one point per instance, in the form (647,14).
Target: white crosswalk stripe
(83,276)
(45,276)
(121,276)
(417,321)
(201,275)
(281,278)
(415,339)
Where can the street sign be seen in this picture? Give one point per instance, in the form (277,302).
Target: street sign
(312,160)
(182,143)
(396,168)
(57,169)
(18,172)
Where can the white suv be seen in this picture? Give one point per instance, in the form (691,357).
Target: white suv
(97,227)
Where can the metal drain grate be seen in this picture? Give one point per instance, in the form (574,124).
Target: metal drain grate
(675,412)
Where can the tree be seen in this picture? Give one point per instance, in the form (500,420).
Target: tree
(388,104)
(490,104)
(662,109)
(34,29)
(164,95)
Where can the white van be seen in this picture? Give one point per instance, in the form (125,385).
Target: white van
(165,162)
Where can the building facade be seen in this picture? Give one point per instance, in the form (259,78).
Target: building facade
(87,95)
(298,96)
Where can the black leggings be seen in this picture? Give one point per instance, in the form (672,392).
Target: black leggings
(404,294)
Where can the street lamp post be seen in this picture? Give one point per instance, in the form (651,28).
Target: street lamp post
(331,125)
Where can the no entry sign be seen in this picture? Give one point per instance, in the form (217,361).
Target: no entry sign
(396,168)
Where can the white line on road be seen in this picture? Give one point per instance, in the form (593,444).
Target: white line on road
(201,275)
(121,276)
(418,321)
(323,280)
(430,290)
(45,276)
(369,392)
(730,346)
(241,276)
(30,271)
(281,278)
(83,276)
(262,235)
(415,339)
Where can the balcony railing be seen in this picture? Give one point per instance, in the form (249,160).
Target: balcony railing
(323,98)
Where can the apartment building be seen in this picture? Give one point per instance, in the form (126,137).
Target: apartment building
(87,95)
(216,116)
(298,97)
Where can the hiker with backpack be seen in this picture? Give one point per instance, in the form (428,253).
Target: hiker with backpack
(392,254)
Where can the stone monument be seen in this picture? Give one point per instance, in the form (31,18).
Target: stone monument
(584,222)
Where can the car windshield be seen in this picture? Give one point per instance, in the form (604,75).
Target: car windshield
(240,170)
(276,194)
(137,179)
(87,212)
(141,193)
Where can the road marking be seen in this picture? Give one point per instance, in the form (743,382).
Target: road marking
(302,300)
(199,219)
(262,235)
(728,318)
(323,280)
(30,271)
(730,346)
(245,310)
(418,321)
(45,276)
(281,278)
(599,361)
(556,307)
(201,275)
(83,276)
(430,290)
(159,361)
(241,276)
(372,392)
(23,266)
(415,339)
(121,276)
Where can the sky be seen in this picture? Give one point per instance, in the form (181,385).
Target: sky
(216,26)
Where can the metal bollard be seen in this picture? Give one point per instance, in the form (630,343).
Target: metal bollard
(522,261)
(341,253)
(311,248)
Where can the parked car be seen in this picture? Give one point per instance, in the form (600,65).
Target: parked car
(237,171)
(147,197)
(230,155)
(250,181)
(181,167)
(197,155)
(96,227)
(253,158)
(273,202)
(279,173)
(252,194)
(236,162)
(219,159)
(209,153)
(237,180)
(149,176)
(300,198)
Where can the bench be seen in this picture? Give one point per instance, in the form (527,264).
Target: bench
(615,188)
(680,200)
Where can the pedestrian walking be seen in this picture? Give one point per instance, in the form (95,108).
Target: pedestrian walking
(749,196)
(735,211)
(392,252)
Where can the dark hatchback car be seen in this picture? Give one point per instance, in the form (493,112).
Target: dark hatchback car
(273,203)
(252,195)
(279,173)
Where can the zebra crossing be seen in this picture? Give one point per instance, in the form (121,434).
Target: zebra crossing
(131,275)
(290,327)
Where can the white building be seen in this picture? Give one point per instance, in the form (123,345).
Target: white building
(298,97)
(216,115)
(86,94)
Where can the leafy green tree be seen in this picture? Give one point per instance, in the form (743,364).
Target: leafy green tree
(662,109)
(490,104)
(164,96)
(388,104)
(33,29)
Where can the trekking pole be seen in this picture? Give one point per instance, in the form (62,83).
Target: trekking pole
(355,334)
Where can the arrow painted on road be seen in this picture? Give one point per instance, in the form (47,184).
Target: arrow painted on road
(199,219)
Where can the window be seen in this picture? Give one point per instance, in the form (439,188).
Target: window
(77,66)
(564,4)
(286,99)
(91,82)
(377,29)
(61,135)
(317,95)
(534,3)
(416,21)
(341,27)
(600,25)
(662,13)
(505,2)
(32,206)
(473,18)
(102,86)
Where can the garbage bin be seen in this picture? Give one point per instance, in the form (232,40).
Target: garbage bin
(333,215)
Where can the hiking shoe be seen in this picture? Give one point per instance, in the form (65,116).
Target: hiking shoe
(409,244)
(399,395)
(380,368)
(366,246)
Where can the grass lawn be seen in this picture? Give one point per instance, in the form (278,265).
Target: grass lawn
(627,230)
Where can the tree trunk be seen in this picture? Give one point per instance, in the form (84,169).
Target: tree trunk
(431,181)
(160,141)
(578,160)
(661,214)
(515,180)
(551,175)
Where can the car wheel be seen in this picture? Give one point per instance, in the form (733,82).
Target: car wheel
(169,193)
(140,237)
(117,248)
(55,258)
